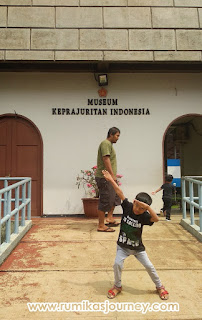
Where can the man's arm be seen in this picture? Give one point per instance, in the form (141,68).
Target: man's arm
(107,163)
(109,178)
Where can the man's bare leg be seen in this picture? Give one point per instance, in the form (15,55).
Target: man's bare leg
(101,224)
(110,218)
(110,215)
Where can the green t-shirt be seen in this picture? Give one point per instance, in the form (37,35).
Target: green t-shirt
(106,149)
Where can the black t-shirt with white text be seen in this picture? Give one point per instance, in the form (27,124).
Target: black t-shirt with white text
(130,235)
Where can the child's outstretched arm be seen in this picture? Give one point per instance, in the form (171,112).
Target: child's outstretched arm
(109,178)
(154,192)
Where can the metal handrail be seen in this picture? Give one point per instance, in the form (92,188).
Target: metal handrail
(191,199)
(25,184)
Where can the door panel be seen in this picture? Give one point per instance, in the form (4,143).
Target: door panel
(5,147)
(35,196)
(2,161)
(25,135)
(21,155)
(26,158)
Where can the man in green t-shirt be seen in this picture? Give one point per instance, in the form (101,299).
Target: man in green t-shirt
(106,160)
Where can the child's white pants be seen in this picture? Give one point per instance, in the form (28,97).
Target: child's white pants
(122,254)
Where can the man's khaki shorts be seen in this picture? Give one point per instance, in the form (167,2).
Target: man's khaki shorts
(108,196)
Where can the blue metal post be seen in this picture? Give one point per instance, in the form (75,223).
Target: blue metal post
(8,222)
(5,198)
(183,200)
(191,193)
(29,204)
(17,207)
(23,201)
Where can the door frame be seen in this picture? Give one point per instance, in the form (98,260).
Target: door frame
(31,123)
(164,136)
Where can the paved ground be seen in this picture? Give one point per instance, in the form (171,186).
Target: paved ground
(67,260)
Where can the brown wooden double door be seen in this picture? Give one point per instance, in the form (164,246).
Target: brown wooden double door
(21,154)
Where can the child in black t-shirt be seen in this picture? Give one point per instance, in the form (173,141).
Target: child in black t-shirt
(135,216)
(168,190)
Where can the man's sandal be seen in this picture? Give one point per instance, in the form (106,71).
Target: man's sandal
(164,295)
(106,230)
(112,224)
(111,294)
